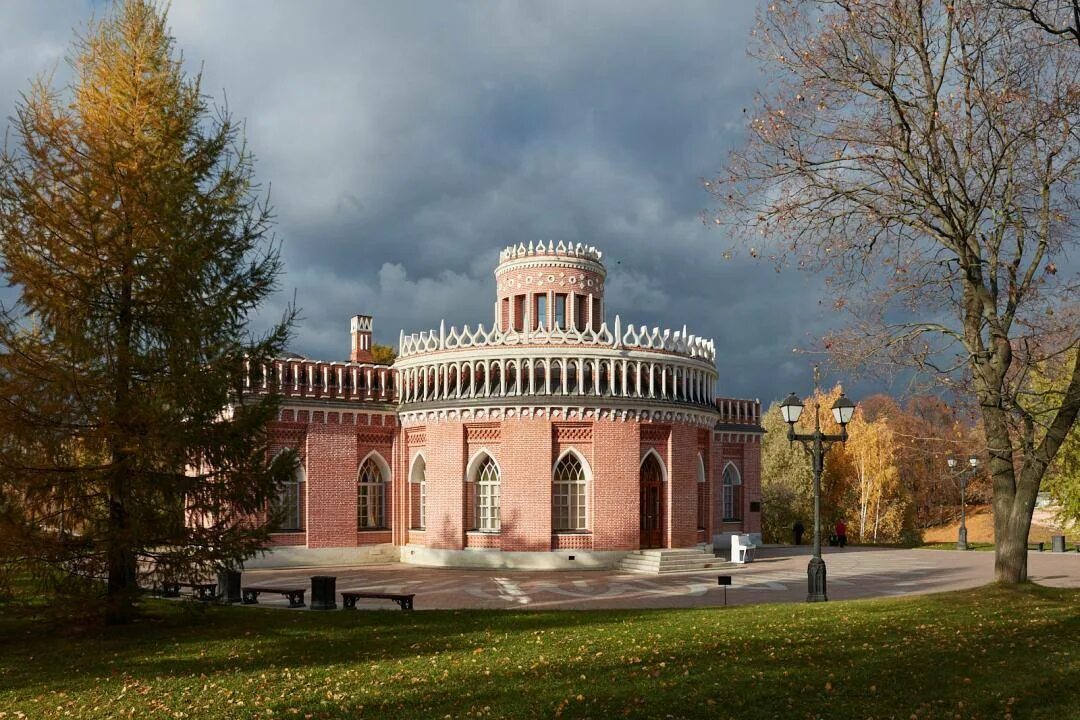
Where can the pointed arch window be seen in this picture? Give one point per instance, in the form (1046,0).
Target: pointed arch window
(732,493)
(371,497)
(702,495)
(487,496)
(288,505)
(568,495)
(651,472)
(418,494)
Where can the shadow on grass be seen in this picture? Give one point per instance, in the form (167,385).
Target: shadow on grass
(923,655)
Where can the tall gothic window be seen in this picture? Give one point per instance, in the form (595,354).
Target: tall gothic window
(487,496)
(289,503)
(519,312)
(732,493)
(568,495)
(370,497)
(540,315)
(702,496)
(418,494)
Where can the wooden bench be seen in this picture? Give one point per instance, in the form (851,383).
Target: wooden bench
(293,593)
(349,598)
(204,591)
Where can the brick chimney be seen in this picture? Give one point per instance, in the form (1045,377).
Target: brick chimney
(361,339)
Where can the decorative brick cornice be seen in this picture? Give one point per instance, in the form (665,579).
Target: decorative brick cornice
(573,413)
(655,433)
(580,432)
(376,435)
(483,433)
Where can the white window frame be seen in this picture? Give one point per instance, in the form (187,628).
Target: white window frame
(730,482)
(420,464)
(289,506)
(703,498)
(488,480)
(372,489)
(569,497)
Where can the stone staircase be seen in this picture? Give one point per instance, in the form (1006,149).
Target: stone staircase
(666,561)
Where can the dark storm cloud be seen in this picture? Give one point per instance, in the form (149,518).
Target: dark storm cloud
(408,142)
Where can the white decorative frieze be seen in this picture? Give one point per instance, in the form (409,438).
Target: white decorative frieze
(640,337)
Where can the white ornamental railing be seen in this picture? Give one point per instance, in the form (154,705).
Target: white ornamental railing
(301,377)
(639,338)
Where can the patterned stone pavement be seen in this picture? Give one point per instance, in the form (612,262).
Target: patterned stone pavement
(778,575)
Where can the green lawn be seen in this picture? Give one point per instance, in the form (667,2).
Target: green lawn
(1070,546)
(986,653)
(952,546)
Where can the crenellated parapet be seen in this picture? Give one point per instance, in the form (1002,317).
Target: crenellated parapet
(678,342)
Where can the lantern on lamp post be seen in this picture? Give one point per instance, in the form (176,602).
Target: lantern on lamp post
(962,475)
(816,444)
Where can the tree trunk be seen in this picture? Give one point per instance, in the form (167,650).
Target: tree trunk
(122,586)
(877,515)
(1014,497)
(1011,527)
(864,503)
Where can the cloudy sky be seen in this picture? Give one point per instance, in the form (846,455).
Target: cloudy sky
(406,143)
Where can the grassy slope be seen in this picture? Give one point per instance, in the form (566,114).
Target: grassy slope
(980,527)
(981,653)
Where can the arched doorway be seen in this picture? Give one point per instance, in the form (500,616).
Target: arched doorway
(652,502)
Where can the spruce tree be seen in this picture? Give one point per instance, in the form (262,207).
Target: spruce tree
(139,245)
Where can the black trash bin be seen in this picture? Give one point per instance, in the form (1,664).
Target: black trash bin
(323,592)
(1057,543)
(228,586)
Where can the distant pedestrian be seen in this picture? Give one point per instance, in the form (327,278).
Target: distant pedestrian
(798,531)
(841,532)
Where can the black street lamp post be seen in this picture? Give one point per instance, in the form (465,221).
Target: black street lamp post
(962,476)
(816,444)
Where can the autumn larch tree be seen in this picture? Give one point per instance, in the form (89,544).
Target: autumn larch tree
(926,155)
(132,229)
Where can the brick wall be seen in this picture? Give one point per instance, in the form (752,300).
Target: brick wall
(744,451)
(525,459)
(682,486)
(444,449)
(332,446)
(331,485)
(616,459)
(751,468)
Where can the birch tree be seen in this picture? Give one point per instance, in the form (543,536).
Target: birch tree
(872,450)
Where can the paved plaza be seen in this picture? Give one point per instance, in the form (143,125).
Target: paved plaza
(777,575)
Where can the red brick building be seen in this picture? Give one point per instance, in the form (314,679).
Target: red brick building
(550,438)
